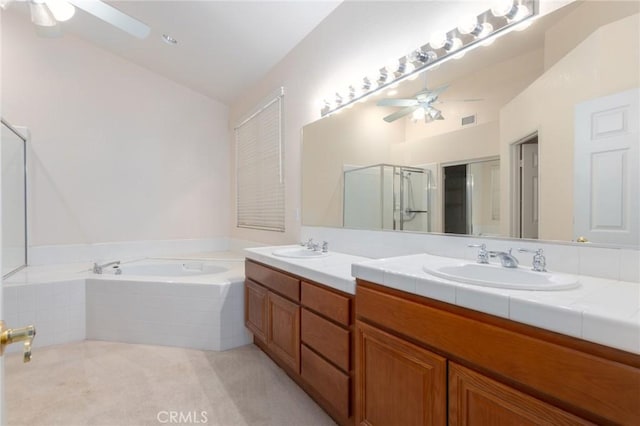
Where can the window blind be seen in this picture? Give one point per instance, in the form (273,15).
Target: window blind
(259,168)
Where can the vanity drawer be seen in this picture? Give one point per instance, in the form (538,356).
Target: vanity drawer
(326,338)
(283,284)
(330,382)
(326,302)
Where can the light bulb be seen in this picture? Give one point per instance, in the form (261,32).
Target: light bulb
(522,12)
(487,29)
(454,44)
(61,10)
(438,40)
(418,114)
(468,25)
(409,67)
(502,8)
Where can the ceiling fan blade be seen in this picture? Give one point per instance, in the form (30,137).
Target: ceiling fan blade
(399,114)
(397,102)
(433,94)
(113,16)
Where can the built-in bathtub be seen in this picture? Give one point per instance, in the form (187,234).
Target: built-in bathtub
(189,303)
(194,303)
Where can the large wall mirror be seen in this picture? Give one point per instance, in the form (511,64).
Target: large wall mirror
(533,136)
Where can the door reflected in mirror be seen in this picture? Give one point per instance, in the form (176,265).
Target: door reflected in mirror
(530,82)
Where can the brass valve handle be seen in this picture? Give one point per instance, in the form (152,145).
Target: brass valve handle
(13,335)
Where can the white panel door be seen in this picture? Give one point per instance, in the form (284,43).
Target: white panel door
(529,190)
(606,187)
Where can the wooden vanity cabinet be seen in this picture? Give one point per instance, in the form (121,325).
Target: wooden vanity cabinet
(497,371)
(272,313)
(398,383)
(307,329)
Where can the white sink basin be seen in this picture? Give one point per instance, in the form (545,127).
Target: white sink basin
(299,253)
(498,276)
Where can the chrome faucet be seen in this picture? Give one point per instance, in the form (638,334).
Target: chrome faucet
(325,247)
(506,258)
(97,268)
(483,254)
(310,244)
(539,261)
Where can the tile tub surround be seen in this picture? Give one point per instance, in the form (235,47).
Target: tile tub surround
(57,309)
(605,311)
(333,270)
(189,315)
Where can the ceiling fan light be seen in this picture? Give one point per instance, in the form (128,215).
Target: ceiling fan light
(41,15)
(61,9)
(417,114)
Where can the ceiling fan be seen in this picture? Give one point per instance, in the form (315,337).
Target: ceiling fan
(420,105)
(48,13)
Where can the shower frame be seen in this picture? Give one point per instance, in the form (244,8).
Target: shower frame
(399,195)
(25,174)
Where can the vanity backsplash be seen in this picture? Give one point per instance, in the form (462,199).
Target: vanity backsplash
(614,263)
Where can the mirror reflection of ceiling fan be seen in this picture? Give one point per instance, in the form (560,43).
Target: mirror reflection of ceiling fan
(420,105)
(47,14)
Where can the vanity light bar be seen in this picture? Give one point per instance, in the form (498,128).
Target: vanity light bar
(488,25)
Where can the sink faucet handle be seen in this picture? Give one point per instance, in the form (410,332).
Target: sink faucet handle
(483,254)
(539,261)
(310,243)
(325,247)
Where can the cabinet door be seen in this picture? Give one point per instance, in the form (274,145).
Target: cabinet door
(255,311)
(283,337)
(397,383)
(475,399)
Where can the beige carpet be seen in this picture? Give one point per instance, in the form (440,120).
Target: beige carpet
(106,383)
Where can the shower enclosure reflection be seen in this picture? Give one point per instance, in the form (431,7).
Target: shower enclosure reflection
(385,196)
(14,208)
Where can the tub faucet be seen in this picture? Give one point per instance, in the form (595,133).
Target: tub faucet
(506,258)
(97,268)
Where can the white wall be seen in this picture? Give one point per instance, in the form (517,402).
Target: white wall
(117,152)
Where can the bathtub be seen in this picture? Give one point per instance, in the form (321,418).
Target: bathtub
(191,303)
(173,267)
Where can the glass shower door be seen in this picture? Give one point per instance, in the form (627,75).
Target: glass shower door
(14,208)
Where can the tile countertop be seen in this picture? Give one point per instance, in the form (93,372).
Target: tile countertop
(599,310)
(333,271)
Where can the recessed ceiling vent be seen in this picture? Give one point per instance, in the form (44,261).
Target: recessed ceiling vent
(468,120)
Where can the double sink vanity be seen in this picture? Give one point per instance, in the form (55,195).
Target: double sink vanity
(424,339)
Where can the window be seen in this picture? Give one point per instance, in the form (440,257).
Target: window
(259,168)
